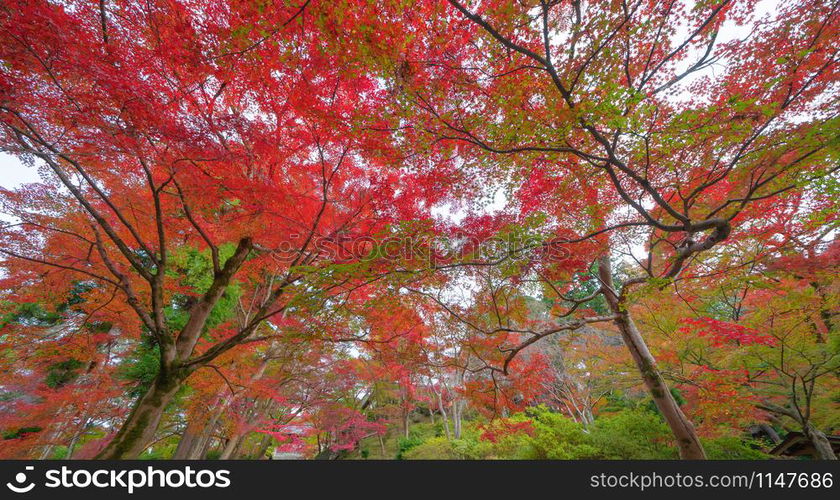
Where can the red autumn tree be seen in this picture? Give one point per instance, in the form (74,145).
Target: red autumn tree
(226,128)
(607,117)
(225,180)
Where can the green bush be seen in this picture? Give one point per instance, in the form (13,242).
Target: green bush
(436,448)
(470,447)
(733,448)
(632,435)
(555,437)
(550,435)
(628,434)
(406,444)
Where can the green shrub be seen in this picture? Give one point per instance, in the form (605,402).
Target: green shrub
(470,447)
(628,434)
(632,435)
(555,437)
(733,448)
(436,448)
(406,444)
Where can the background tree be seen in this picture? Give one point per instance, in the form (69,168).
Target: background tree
(611,101)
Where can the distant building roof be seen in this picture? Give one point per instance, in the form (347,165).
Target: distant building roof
(795,444)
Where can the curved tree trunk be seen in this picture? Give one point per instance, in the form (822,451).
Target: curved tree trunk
(822,445)
(139,428)
(771,432)
(687,440)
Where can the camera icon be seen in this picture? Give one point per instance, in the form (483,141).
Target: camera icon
(20,478)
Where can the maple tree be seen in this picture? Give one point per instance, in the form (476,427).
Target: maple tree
(314,225)
(773,357)
(163,130)
(589,98)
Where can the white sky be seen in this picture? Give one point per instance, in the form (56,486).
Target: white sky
(13,173)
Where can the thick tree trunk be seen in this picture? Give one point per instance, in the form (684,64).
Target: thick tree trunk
(139,428)
(142,423)
(822,445)
(687,440)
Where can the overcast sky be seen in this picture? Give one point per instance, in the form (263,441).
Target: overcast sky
(13,173)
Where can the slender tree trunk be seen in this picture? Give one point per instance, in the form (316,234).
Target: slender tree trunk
(202,443)
(443,415)
(139,428)
(188,438)
(75,439)
(687,440)
(52,436)
(237,439)
(203,447)
(232,446)
(46,452)
(457,413)
(198,446)
(588,417)
(458,403)
(382,446)
(262,447)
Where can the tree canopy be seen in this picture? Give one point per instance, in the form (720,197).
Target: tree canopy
(419,229)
